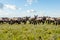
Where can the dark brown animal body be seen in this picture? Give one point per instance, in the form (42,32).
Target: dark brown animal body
(33,20)
(15,20)
(1,21)
(57,22)
(5,20)
(41,20)
(25,19)
(50,20)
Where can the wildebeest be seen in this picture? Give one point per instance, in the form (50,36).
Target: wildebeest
(25,19)
(41,20)
(50,20)
(37,20)
(57,21)
(1,20)
(5,20)
(18,20)
(15,20)
(33,20)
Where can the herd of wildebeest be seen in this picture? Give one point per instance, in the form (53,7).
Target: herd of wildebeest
(31,20)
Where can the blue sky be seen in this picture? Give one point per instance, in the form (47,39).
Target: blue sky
(16,8)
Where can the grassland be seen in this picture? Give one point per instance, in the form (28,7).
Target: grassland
(29,32)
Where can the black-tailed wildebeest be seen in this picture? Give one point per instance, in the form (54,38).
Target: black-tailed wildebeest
(41,20)
(25,19)
(11,21)
(50,20)
(18,20)
(15,20)
(1,20)
(33,20)
(5,20)
(37,20)
(57,21)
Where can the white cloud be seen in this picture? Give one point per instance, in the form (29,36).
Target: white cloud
(9,7)
(30,2)
(13,7)
(3,13)
(34,12)
(31,11)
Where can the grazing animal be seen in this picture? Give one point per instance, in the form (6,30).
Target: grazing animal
(57,21)
(50,20)
(14,20)
(33,20)
(5,20)
(1,20)
(41,20)
(25,19)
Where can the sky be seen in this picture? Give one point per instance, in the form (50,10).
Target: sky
(21,8)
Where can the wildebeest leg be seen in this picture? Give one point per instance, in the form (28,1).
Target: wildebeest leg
(35,22)
(49,22)
(30,22)
(43,22)
(57,22)
(19,22)
(11,22)
(24,22)
(46,21)
(38,22)
(1,22)
(53,22)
